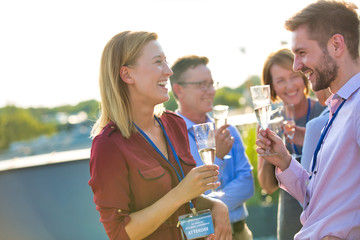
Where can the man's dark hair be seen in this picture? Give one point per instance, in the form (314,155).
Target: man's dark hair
(325,18)
(182,64)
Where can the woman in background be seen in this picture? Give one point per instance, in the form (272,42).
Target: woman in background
(291,88)
(143,175)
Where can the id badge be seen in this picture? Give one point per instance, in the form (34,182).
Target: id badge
(199,226)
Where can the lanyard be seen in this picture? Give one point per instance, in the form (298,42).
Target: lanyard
(307,119)
(173,151)
(323,134)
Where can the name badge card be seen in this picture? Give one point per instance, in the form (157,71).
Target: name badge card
(198,226)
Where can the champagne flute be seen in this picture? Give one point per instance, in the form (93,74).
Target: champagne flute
(276,125)
(289,125)
(205,141)
(261,100)
(220,113)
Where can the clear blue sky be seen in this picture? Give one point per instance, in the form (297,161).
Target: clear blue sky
(50,50)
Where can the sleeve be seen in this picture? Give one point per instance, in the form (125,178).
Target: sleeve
(109,184)
(293,180)
(241,187)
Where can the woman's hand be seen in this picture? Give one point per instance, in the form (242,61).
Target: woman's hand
(220,216)
(299,136)
(197,181)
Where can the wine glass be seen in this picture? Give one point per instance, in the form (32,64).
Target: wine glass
(205,141)
(276,125)
(261,100)
(220,113)
(289,125)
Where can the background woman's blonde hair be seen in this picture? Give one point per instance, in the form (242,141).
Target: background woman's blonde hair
(284,58)
(123,49)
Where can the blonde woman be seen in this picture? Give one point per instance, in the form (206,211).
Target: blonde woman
(142,173)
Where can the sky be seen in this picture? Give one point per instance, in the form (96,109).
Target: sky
(50,50)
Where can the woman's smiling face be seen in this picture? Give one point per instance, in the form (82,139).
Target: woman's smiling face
(151,74)
(288,85)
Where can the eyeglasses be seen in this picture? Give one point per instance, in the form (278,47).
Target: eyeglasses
(202,85)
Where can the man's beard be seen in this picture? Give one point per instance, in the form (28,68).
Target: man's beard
(325,73)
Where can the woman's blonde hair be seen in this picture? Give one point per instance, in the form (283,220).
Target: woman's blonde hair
(123,49)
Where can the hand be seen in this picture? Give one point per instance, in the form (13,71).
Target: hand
(224,141)
(299,136)
(197,181)
(220,214)
(267,139)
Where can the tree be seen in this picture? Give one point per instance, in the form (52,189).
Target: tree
(18,124)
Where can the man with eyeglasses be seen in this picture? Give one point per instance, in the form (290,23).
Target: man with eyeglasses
(194,90)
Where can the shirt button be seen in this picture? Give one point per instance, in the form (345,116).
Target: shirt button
(112,127)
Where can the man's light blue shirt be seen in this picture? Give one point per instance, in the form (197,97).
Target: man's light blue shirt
(235,173)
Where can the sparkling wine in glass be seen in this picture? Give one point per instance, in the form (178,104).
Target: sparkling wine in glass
(261,100)
(263,114)
(220,113)
(207,155)
(205,141)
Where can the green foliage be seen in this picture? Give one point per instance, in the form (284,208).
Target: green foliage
(248,134)
(91,107)
(18,124)
(227,97)
(171,103)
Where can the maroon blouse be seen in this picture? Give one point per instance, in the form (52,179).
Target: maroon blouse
(128,175)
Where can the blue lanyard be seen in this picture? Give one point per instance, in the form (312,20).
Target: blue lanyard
(307,119)
(323,134)
(173,151)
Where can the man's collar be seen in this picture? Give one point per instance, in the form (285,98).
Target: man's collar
(347,90)
(349,87)
(189,123)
